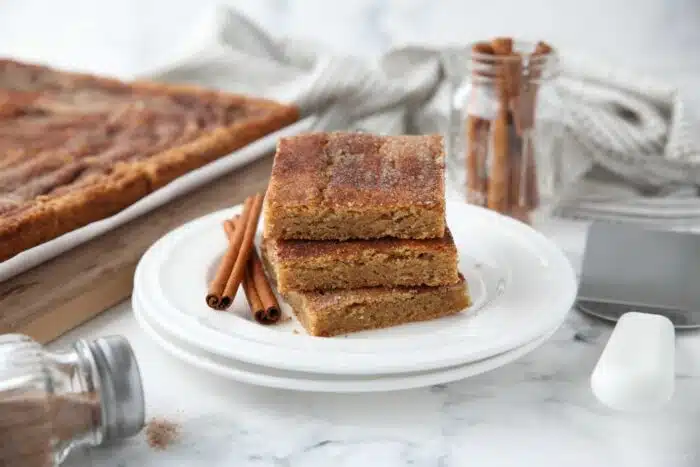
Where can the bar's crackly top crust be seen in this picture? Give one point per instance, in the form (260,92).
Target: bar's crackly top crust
(358,170)
(75,148)
(291,250)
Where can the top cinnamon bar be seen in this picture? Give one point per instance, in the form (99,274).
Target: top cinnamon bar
(76,148)
(339,186)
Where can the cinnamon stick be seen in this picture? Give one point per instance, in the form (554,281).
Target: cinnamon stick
(510,68)
(251,295)
(499,173)
(478,129)
(271,313)
(524,109)
(230,227)
(216,289)
(531,193)
(502,45)
(248,225)
(477,156)
(511,85)
(261,299)
(501,166)
(257,309)
(507,83)
(517,173)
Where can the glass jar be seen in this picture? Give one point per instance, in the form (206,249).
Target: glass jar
(501,159)
(54,402)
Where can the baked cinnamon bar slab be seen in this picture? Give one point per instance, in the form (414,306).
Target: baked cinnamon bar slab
(339,186)
(76,148)
(335,312)
(331,264)
(345,311)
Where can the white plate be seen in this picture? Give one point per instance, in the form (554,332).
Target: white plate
(522,285)
(299,381)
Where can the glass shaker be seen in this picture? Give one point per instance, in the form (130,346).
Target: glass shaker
(495,137)
(54,402)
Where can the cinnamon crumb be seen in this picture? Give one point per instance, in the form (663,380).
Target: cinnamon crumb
(161,433)
(285,319)
(295,332)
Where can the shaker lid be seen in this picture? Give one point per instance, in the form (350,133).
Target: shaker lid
(121,387)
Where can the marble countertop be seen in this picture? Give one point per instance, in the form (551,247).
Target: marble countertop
(536,411)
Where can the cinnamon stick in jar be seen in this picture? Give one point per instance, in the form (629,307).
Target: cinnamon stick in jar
(518,183)
(524,112)
(477,157)
(524,107)
(499,172)
(502,174)
(510,80)
(501,165)
(510,68)
(478,129)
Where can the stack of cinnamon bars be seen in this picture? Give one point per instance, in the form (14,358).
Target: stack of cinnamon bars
(355,233)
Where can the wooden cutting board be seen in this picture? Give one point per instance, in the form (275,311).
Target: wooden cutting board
(63,293)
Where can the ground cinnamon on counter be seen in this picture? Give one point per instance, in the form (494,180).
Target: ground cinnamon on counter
(161,433)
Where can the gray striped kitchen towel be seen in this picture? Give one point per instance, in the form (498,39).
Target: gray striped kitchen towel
(629,150)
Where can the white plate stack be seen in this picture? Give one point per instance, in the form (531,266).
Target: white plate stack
(521,284)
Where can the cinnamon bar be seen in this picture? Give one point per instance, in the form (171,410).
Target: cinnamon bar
(340,186)
(346,311)
(330,264)
(76,148)
(330,313)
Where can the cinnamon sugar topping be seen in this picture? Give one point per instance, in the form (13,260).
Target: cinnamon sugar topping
(86,146)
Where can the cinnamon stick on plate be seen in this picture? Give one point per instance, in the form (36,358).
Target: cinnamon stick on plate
(217,287)
(228,277)
(248,224)
(261,299)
